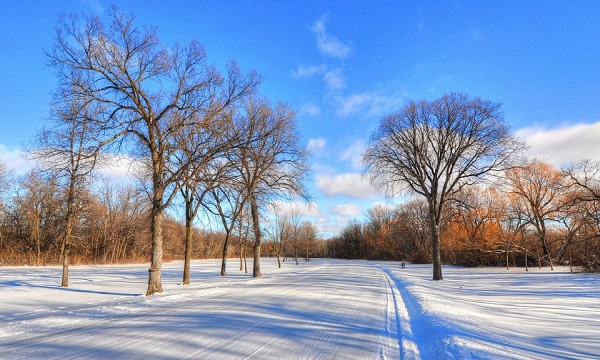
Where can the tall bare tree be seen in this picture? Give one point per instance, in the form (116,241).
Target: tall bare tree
(270,161)
(152,95)
(68,150)
(435,148)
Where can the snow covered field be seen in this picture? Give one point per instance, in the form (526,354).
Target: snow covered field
(324,309)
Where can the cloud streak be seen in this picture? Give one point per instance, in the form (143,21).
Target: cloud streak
(564,144)
(327,43)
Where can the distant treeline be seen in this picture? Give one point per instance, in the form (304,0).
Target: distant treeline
(113,226)
(536,215)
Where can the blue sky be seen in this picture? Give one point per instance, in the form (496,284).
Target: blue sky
(345,64)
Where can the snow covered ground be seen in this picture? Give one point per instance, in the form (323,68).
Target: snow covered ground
(324,309)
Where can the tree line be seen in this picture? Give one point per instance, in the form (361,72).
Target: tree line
(112,226)
(534,215)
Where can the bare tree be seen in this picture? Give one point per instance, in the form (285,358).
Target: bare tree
(435,149)
(281,225)
(69,150)
(585,175)
(227,202)
(151,96)
(309,233)
(270,161)
(203,151)
(543,189)
(4,178)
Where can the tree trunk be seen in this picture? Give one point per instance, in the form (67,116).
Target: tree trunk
(547,252)
(257,234)
(224,257)
(65,262)
(506,253)
(435,245)
(66,246)
(241,256)
(189,232)
(156,256)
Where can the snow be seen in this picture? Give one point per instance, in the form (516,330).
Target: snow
(323,309)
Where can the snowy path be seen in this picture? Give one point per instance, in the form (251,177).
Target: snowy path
(324,309)
(333,311)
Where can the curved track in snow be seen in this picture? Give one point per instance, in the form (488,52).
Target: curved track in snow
(323,309)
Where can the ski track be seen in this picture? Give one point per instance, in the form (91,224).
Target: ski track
(331,311)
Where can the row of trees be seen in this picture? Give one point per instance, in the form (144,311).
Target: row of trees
(190,129)
(534,214)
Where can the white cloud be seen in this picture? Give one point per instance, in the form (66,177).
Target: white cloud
(120,168)
(316,144)
(14,161)
(370,103)
(310,109)
(307,71)
(334,80)
(348,184)
(327,43)
(352,104)
(342,220)
(563,145)
(345,209)
(303,208)
(354,153)
(329,230)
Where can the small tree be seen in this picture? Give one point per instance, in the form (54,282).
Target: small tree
(435,148)
(68,150)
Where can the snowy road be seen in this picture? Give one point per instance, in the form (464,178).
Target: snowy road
(324,309)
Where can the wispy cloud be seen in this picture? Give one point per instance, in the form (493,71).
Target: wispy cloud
(329,44)
(347,184)
(304,71)
(334,80)
(370,103)
(94,5)
(564,144)
(310,109)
